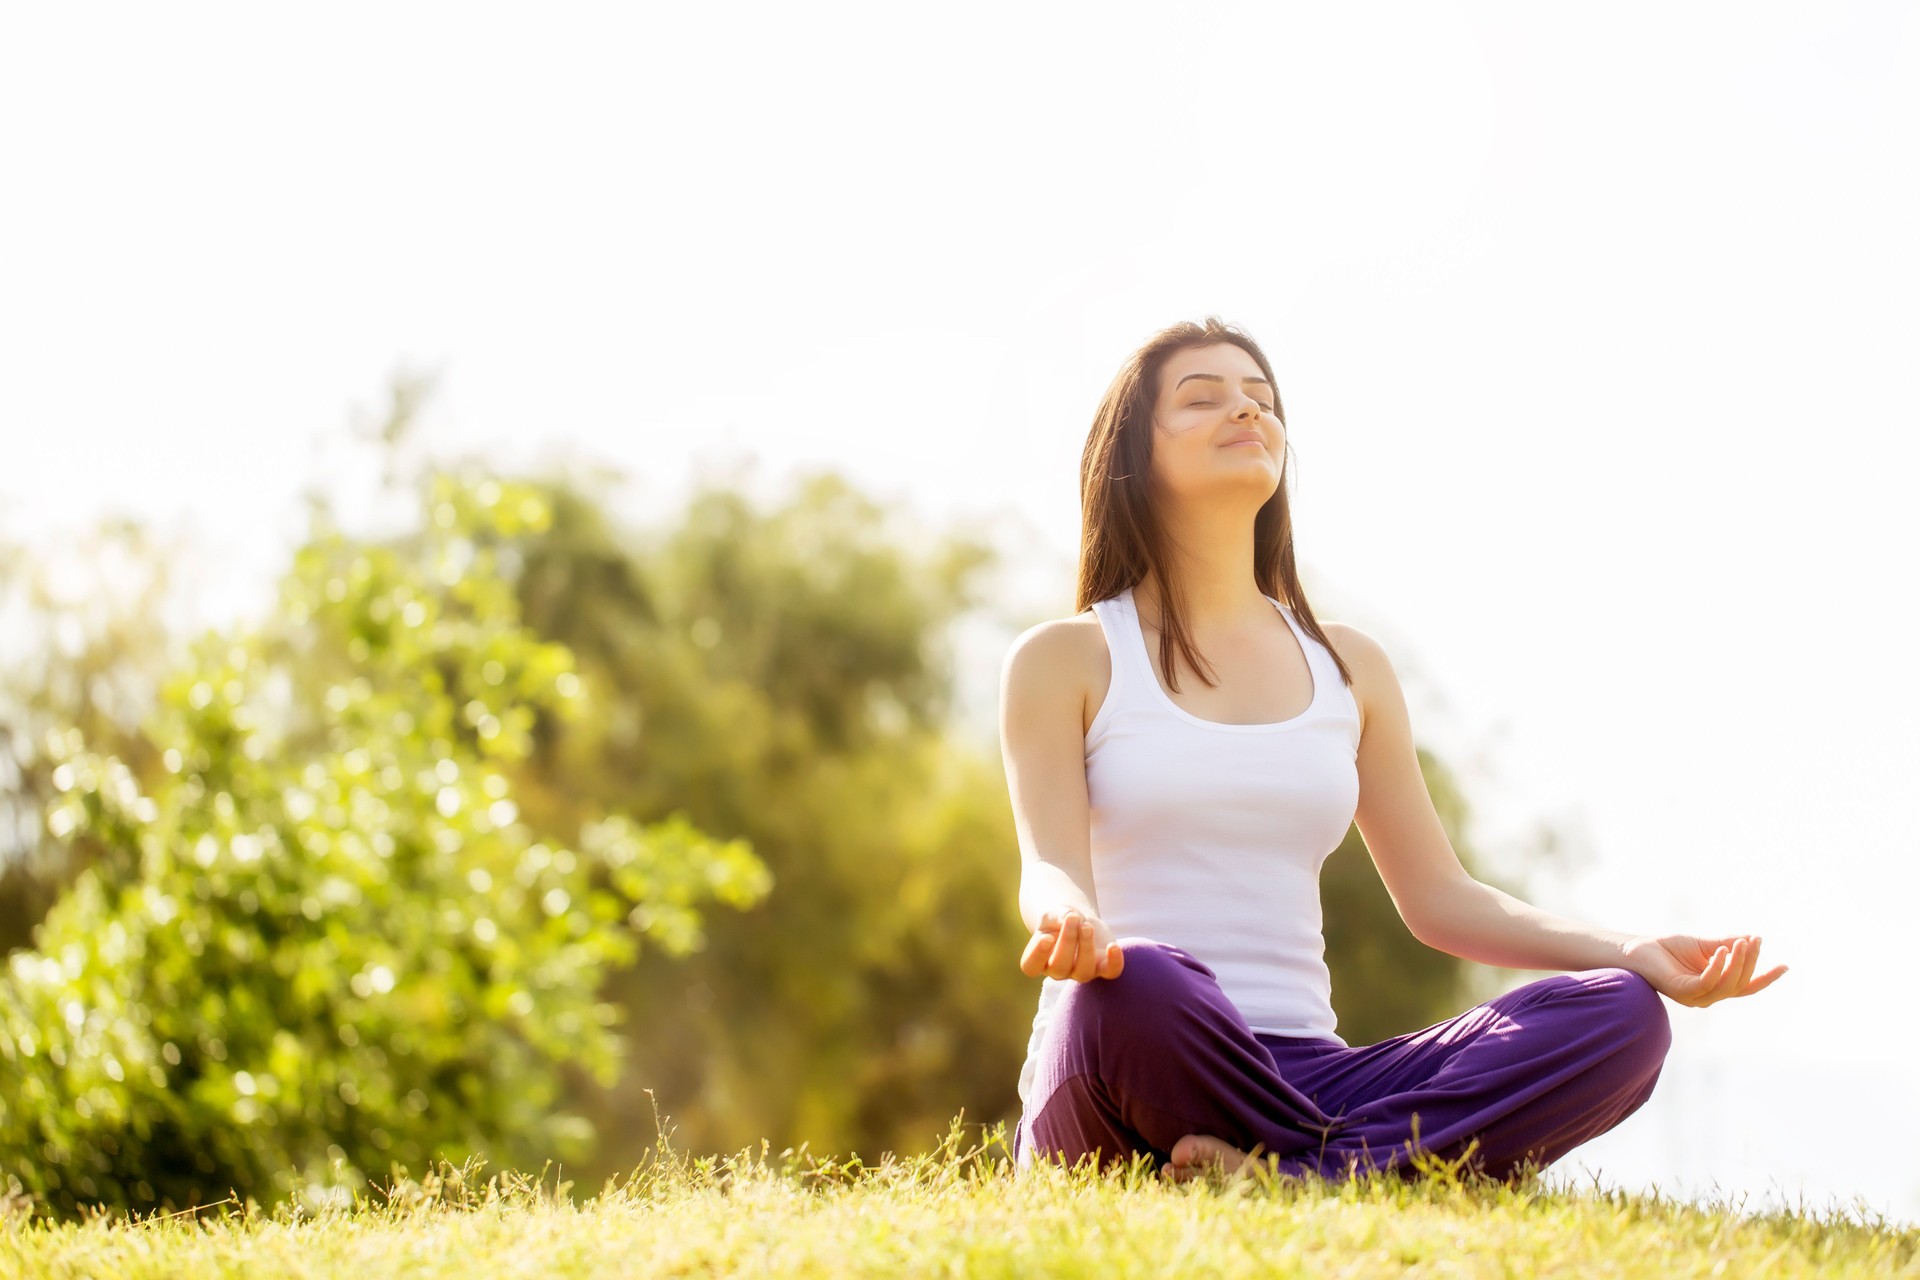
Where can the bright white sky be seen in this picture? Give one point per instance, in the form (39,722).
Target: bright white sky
(1595,331)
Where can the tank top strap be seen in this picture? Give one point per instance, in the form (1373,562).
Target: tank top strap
(1332,694)
(1318,659)
(1126,655)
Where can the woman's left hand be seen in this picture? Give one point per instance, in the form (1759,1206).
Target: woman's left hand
(1700,971)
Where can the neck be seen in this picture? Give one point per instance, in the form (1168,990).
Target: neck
(1213,560)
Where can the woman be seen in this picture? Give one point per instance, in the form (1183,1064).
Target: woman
(1172,833)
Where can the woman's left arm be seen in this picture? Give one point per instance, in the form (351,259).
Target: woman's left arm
(1450,911)
(1475,921)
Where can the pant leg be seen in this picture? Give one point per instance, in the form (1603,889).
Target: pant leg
(1531,1074)
(1134,1063)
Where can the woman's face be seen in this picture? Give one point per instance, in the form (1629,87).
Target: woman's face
(1216,434)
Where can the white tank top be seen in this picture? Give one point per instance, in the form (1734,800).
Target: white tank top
(1211,836)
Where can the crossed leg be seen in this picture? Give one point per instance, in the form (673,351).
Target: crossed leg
(1134,1063)
(1523,1078)
(1137,1062)
(1166,1064)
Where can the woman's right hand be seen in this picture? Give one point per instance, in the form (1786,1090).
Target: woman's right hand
(1072,944)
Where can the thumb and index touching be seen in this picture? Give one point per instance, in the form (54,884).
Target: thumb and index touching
(1057,950)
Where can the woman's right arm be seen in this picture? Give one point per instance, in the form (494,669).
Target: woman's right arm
(1043,744)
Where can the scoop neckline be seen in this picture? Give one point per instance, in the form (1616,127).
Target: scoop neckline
(1166,699)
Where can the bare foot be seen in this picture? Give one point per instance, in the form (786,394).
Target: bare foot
(1196,1153)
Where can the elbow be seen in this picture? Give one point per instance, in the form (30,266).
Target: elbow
(1423,933)
(1432,936)
(1437,920)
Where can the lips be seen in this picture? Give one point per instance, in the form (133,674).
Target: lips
(1246,438)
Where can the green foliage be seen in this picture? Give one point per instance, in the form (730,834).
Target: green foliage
(343,945)
(87,646)
(781,674)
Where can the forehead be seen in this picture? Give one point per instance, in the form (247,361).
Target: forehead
(1225,359)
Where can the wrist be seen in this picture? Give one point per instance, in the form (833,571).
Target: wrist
(1633,950)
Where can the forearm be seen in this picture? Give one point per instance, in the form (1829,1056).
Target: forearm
(1481,923)
(1045,887)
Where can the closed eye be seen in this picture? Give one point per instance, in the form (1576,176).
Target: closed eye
(1201,404)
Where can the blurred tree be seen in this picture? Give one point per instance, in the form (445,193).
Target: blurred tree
(339,945)
(782,677)
(86,646)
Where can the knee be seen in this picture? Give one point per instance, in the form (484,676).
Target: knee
(1154,972)
(1640,1010)
(1150,972)
(1152,980)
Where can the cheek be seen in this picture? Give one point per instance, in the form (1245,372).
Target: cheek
(1181,461)
(1183,436)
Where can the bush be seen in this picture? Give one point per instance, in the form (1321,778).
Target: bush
(343,947)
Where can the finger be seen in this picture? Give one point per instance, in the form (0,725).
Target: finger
(1746,970)
(1088,960)
(1724,987)
(1111,960)
(1736,956)
(1736,964)
(1705,976)
(1063,933)
(1742,969)
(1060,963)
(1768,979)
(1705,980)
(1033,961)
(1039,948)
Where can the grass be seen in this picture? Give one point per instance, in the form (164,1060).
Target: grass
(962,1211)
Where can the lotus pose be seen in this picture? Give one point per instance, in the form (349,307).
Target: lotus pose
(1183,754)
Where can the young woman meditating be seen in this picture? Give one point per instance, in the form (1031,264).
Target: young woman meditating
(1183,754)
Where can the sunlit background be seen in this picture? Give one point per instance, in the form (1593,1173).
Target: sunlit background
(1594,331)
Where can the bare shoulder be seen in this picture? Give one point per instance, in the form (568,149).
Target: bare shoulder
(1353,645)
(1063,661)
(1372,670)
(1057,642)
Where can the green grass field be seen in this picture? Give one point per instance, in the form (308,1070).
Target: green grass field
(962,1211)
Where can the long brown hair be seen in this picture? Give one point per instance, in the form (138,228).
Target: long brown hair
(1121,535)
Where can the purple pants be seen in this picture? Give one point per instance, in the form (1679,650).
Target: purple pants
(1134,1063)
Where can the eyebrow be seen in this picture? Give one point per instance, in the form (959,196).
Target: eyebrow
(1214,377)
